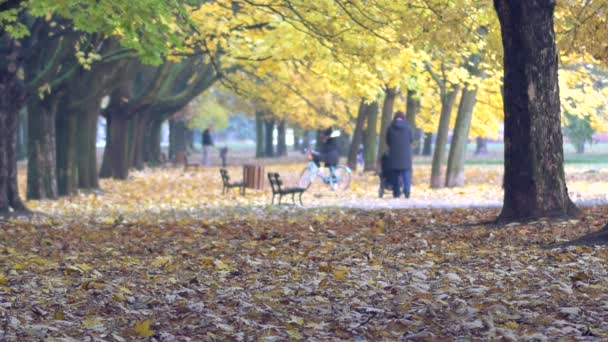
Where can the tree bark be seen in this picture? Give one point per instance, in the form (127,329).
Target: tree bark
(177,138)
(306,139)
(458,146)
(137,131)
(269,138)
(387,116)
(41,164)
(357,136)
(152,148)
(534,180)
(427,150)
(22,135)
(370,147)
(411,112)
(447,102)
(12,98)
(259,134)
(281,139)
(115,162)
(481,145)
(297,135)
(66,140)
(87,149)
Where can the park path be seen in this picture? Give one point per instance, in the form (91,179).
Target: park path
(416,203)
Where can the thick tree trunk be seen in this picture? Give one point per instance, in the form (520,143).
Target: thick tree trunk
(115,159)
(22,135)
(534,180)
(411,112)
(152,148)
(87,149)
(259,134)
(137,133)
(105,171)
(268,139)
(177,138)
(458,146)
(66,140)
(306,142)
(481,145)
(357,136)
(281,139)
(41,164)
(297,135)
(427,149)
(344,144)
(12,98)
(387,116)
(447,102)
(371,138)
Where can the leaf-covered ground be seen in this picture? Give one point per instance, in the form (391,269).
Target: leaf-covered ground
(157,257)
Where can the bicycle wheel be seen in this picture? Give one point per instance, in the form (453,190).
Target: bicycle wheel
(306,178)
(342,177)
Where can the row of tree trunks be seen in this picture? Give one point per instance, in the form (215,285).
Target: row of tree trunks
(390,94)
(370,147)
(357,138)
(460,136)
(448,97)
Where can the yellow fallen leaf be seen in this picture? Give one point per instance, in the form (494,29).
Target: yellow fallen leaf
(142,328)
(341,273)
(161,261)
(3,280)
(294,334)
(59,315)
(92,323)
(220,265)
(297,320)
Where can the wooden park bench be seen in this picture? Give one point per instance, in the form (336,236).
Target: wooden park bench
(276,185)
(190,163)
(227,184)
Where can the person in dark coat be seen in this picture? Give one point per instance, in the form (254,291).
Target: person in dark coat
(329,150)
(207,144)
(399,161)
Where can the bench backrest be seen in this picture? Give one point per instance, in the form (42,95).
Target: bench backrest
(275,181)
(225,177)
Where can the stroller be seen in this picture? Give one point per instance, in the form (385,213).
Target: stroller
(385,183)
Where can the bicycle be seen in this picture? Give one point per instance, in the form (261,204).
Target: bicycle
(338,178)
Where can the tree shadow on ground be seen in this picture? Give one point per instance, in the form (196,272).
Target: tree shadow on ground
(596,238)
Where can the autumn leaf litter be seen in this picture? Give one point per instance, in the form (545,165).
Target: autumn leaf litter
(252,272)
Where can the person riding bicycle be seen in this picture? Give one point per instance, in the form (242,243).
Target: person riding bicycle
(338,177)
(329,151)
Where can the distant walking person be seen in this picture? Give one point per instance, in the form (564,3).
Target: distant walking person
(207,144)
(399,163)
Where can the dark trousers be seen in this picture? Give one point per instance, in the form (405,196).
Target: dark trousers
(398,179)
